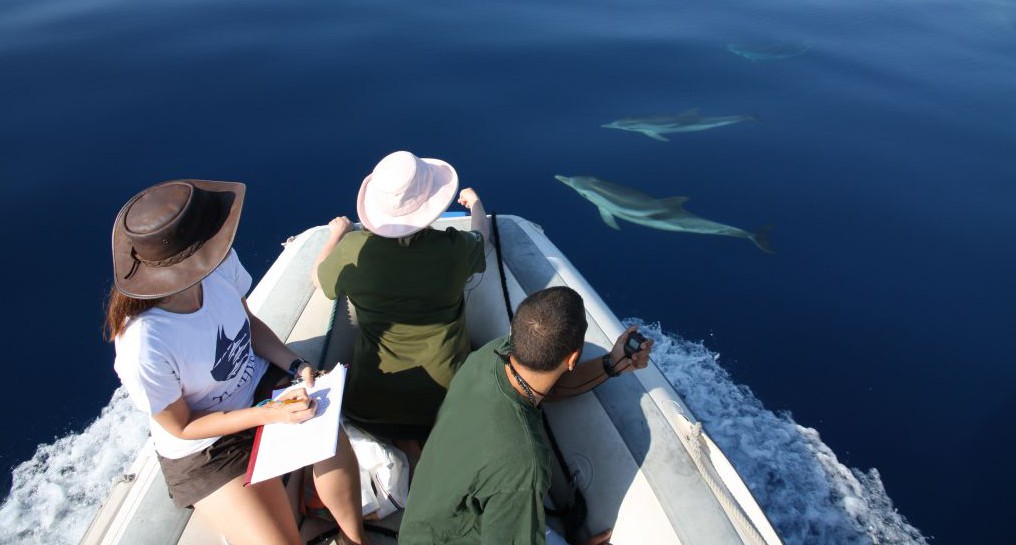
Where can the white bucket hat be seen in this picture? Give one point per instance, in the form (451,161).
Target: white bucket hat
(405,194)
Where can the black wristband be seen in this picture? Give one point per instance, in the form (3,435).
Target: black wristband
(293,367)
(608,366)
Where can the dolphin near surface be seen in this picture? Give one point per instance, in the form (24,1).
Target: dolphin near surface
(616,201)
(688,121)
(769,51)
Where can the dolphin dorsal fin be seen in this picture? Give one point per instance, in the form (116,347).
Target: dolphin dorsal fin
(609,219)
(690,115)
(673,202)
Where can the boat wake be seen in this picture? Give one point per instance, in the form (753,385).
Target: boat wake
(55,494)
(810,497)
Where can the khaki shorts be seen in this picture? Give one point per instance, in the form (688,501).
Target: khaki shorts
(195,476)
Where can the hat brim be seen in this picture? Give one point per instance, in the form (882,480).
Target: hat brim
(155,282)
(445,186)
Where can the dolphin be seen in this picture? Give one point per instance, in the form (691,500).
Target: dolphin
(619,202)
(688,121)
(770,51)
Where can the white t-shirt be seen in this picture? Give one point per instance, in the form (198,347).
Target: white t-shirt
(206,357)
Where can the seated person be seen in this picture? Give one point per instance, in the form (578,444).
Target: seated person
(405,281)
(195,359)
(486,467)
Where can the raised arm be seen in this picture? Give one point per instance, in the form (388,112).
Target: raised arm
(339,227)
(592,372)
(478,216)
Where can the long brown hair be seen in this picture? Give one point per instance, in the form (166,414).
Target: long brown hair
(120,308)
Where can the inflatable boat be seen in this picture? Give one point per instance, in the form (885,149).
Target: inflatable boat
(630,447)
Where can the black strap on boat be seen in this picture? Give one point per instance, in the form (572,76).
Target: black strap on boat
(572,515)
(500,267)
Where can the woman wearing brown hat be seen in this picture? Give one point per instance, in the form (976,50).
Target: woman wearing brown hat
(406,282)
(195,359)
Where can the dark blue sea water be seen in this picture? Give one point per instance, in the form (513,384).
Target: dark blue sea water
(884,158)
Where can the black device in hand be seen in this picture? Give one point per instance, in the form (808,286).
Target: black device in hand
(633,344)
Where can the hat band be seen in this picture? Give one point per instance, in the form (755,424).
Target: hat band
(156,263)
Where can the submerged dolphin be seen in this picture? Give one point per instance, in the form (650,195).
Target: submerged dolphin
(617,201)
(688,121)
(769,52)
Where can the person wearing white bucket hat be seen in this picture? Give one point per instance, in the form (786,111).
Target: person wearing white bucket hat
(405,194)
(405,281)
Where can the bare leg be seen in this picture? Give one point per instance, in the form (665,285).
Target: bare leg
(256,514)
(337,481)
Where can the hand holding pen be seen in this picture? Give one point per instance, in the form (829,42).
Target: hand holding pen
(293,407)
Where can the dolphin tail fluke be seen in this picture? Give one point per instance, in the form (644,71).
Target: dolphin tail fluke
(609,219)
(756,119)
(761,239)
(656,136)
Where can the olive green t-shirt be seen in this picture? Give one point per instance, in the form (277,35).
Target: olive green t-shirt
(409,303)
(486,465)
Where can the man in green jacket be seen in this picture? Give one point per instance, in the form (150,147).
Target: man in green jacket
(486,466)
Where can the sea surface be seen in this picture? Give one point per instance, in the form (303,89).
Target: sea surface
(861,378)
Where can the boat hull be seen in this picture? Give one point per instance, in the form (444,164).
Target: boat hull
(640,458)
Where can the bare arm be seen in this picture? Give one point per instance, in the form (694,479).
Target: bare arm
(339,227)
(477,215)
(590,373)
(268,345)
(181,422)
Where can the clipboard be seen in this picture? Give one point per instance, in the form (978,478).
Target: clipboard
(282,447)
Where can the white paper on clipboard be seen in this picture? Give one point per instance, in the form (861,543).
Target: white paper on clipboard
(281,448)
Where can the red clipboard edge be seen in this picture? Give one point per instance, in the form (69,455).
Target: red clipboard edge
(253,456)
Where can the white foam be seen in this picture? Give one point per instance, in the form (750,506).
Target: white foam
(810,497)
(55,494)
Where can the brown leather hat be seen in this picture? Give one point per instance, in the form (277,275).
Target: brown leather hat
(171,235)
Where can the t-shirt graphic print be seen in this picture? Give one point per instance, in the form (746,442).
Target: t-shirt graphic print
(231,355)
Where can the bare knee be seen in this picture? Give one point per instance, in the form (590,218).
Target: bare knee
(256,514)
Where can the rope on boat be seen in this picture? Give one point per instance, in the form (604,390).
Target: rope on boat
(695,444)
(328,338)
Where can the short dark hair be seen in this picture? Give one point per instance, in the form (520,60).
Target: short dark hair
(548,325)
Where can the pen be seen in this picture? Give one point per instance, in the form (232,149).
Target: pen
(283,402)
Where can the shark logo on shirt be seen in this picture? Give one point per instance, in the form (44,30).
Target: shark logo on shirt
(231,355)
